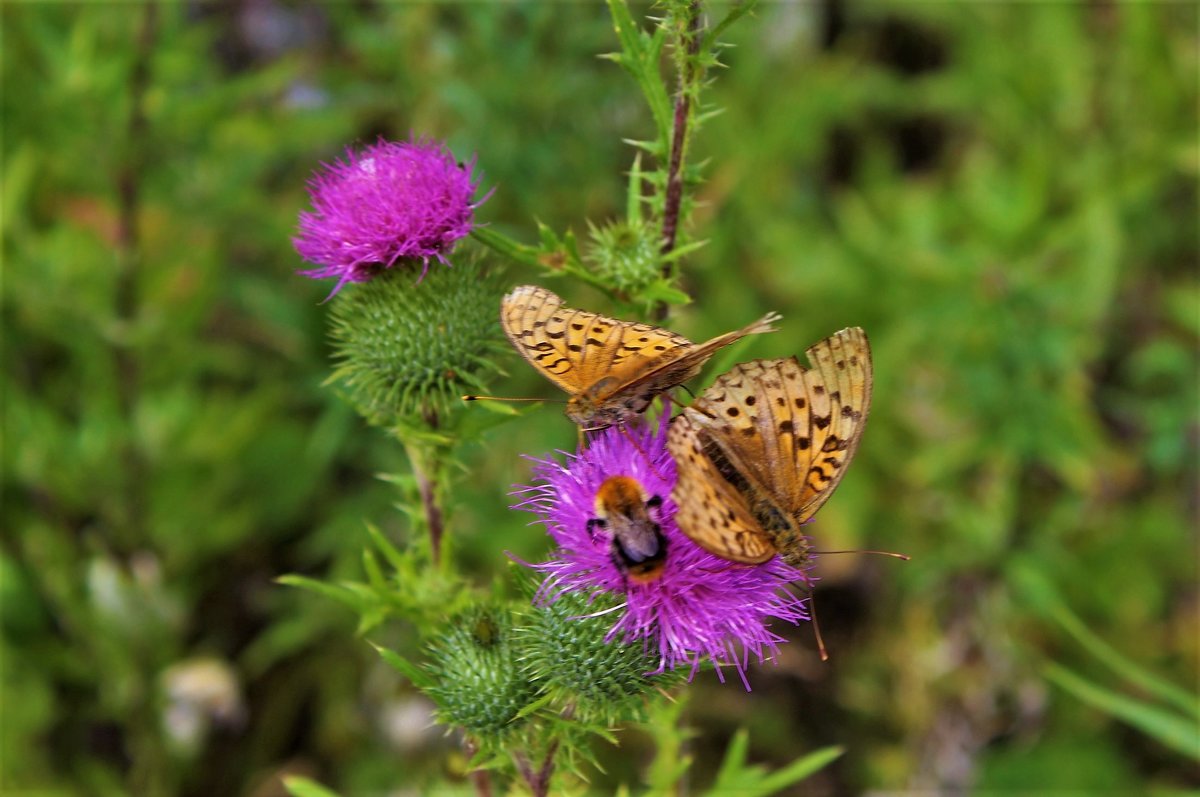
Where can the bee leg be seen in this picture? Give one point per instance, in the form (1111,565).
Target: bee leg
(593,524)
(622,568)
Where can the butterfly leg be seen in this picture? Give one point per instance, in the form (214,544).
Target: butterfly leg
(625,431)
(812,611)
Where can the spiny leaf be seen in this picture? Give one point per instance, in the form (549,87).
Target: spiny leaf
(640,54)
(740,9)
(801,768)
(338,592)
(506,246)
(418,677)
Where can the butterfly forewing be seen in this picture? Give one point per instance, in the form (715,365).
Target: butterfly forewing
(575,348)
(612,369)
(711,510)
(776,434)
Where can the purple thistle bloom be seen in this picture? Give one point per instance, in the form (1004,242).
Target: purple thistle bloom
(699,606)
(391,201)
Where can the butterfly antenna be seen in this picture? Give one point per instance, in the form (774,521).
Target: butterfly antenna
(903,556)
(506,398)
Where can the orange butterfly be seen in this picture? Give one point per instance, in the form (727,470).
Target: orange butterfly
(760,451)
(612,369)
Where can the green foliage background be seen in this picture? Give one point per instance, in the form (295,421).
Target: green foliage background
(1003,195)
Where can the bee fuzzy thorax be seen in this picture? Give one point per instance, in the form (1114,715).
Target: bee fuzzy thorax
(636,542)
(620,494)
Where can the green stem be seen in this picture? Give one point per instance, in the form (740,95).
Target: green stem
(479,778)
(150,772)
(427,468)
(502,244)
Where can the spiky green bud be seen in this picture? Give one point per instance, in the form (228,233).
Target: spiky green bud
(407,351)
(479,685)
(563,645)
(625,255)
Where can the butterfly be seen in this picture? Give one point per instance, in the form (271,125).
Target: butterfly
(760,451)
(612,369)
(637,545)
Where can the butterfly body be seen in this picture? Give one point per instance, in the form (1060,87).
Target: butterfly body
(611,369)
(637,545)
(760,451)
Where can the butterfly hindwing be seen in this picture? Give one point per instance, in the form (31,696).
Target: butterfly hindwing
(839,386)
(711,510)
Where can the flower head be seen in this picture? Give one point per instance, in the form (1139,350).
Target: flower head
(690,606)
(391,201)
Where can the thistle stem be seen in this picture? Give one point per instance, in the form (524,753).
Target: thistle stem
(150,772)
(128,248)
(479,777)
(673,201)
(433,513)
(538,782)
(426,467)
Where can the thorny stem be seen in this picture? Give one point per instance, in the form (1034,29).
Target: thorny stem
(547,768)
(433,511)
(539,782)
(522,762)
(426,464)
(128,243)
(149,773)
(479,777)
(674,197)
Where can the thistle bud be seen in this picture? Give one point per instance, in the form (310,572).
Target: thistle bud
(625,255)
(407,352)
(568,645)
(479,685)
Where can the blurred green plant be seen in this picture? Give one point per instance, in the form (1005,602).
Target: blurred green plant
(1167,712)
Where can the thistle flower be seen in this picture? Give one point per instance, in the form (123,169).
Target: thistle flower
(683,603)
(393,201)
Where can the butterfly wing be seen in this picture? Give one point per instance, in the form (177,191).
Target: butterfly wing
(664,367)
(839,391)
(575,349)
(796,428)
(711,510)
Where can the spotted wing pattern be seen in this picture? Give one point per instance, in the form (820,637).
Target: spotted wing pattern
(778,434)
(711,509)
(575,349)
